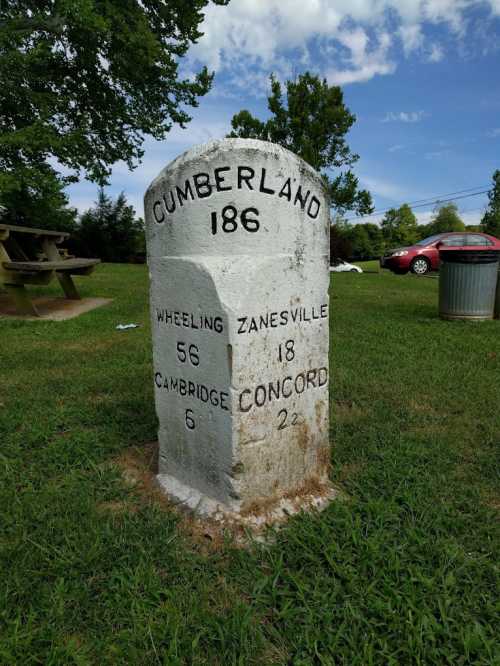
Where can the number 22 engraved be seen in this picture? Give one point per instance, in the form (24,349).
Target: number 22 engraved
(283,414)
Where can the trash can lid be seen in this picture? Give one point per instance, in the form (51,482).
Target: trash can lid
(457,256)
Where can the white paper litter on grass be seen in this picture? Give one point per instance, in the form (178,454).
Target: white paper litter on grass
(123,327)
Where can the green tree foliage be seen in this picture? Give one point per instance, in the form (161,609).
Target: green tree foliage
(355,241)
(399,226)
(490,223)
(313,123)
(340,242)
(43,205)
(446,218)
(360,241)
(84,81)
(376,237)
(110,230)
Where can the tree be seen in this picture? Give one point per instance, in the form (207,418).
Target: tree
(41,205)
(340,243)
(355,241)
(490,223)
(376,237)
(84,81)
(366,240)
(110,230)
(312,123)
(446,218)
(360,241)
(399,226)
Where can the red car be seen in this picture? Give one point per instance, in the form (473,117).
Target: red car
(424,255)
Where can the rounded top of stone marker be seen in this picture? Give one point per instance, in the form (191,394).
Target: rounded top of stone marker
(237,197)
(210,149)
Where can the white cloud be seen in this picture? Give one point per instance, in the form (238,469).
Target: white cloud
(348,41)
(411,37)
(364,61)
(383,188)
(494,133)
(404,116)
(396,147)
(436,53)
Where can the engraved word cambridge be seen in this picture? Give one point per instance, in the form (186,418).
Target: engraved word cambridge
(237,237)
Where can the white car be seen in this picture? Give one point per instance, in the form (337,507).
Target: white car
(340,266)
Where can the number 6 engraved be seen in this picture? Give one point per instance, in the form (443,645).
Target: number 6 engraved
(190,424)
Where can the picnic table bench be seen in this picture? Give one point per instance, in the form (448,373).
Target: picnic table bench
(31,256)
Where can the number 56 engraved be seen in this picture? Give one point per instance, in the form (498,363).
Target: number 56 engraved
(184,353)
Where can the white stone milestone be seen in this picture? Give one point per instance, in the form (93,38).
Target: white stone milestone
(238,253)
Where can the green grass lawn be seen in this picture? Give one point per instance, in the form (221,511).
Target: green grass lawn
(370,266)
(97,570)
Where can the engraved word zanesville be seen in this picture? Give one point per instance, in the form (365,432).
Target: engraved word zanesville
(246,324)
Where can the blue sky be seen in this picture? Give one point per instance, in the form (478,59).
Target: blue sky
(422,77)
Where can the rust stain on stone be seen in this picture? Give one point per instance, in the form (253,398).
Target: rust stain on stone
(319,409)
(324,459)
(311,486)
(303,436)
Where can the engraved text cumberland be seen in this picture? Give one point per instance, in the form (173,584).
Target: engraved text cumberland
(224,179)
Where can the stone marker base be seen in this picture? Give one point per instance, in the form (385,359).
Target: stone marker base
(259,514)
(52,309)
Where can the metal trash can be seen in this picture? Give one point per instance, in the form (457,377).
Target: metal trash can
(467,283)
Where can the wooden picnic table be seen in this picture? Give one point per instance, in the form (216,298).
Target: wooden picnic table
(31,256)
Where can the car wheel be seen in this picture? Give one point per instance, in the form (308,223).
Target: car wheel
(420,266)
(353,270)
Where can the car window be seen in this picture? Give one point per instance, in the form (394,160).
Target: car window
(455,240)
(429,240)
(477,239)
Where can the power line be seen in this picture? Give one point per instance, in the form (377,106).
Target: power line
(448,194)
(428,202)
(464,196)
